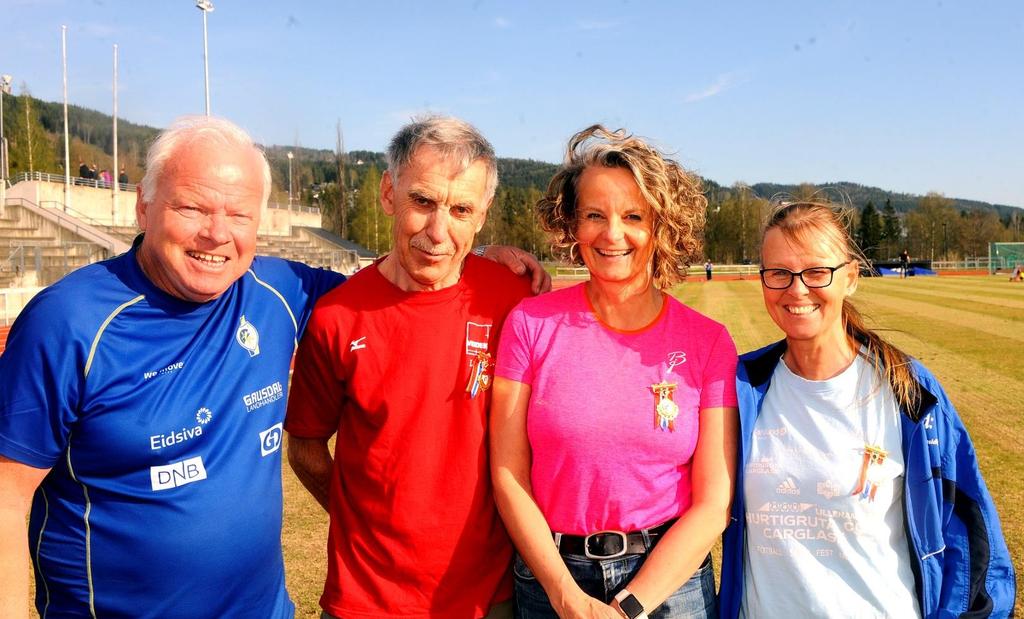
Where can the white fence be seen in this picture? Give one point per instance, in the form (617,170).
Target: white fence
(743,270)
(12,301)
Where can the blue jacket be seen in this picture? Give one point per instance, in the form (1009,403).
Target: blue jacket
(961,564)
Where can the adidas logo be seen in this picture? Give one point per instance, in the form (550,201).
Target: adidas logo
(787,487)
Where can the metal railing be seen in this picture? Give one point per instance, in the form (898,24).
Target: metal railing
(78,181)
(572,272)
(967,264)
(298,208)
(56,215)
(743,270)
(15,262)
(59,206)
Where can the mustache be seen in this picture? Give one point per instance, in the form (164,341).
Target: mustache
(422,244)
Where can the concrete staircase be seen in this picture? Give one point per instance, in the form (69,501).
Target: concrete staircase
(28,256)
(34,252)
(311,249)
(39,245)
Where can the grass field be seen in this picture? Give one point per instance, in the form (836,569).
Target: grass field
(968,330)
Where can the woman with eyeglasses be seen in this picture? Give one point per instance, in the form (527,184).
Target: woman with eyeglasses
(858,489)
(613,419)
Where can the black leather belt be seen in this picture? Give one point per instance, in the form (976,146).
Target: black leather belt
(611,544)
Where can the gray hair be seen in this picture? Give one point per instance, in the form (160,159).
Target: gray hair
(456,139)
(189,129)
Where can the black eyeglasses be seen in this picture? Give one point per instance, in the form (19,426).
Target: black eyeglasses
(814,277)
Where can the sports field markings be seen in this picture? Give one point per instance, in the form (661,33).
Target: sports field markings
(989,292)
(995,326)
(1008,309)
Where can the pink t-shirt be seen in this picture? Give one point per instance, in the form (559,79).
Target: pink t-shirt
(600,459)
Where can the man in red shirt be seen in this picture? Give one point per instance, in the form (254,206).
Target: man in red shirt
(397,363)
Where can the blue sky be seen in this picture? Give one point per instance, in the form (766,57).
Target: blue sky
(908,96)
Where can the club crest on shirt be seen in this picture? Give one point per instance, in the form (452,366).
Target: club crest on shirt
(477,338)
(676,358)
(248,337)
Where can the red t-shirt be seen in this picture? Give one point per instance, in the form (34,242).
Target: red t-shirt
(414,531)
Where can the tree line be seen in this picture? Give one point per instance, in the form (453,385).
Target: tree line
(345,186)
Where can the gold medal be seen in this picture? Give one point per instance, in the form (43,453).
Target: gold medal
(665,409)
(479,379)
(866,486)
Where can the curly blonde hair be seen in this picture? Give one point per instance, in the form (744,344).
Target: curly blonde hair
(675,196)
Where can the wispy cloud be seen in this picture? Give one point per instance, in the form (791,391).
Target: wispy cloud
(502,23)
(591,24)
(722,83)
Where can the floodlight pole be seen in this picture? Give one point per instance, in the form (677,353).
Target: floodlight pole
(67,141)
(114,173)
(290,157)
(5,88)
(206,6)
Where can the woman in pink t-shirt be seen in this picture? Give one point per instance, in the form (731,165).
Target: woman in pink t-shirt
(613,417)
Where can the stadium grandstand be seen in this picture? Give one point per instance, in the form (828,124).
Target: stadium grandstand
(45,235)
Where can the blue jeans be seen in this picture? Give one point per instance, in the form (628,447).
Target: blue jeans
(604,578)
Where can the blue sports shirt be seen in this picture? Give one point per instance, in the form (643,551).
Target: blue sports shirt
(161,420)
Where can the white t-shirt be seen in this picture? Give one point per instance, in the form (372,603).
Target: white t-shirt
(825,534)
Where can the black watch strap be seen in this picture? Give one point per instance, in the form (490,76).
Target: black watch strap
(630,605)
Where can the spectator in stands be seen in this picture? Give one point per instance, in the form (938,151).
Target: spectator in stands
(397,364)
(614,425)
(858,491)
(122,178)
(105,179)
(142,404)
(83,170)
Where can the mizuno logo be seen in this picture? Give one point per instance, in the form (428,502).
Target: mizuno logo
(357,344)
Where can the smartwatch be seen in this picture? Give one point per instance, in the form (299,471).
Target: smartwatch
(630,606)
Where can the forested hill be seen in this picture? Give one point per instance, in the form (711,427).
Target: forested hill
(92,138)
(858,195)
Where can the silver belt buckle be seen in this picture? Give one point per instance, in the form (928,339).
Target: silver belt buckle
(590,555)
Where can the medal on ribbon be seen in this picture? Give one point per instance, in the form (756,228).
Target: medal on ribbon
(479,379)
(866,486)
(665,409)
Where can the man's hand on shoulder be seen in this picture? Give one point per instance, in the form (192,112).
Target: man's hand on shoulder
(520,262)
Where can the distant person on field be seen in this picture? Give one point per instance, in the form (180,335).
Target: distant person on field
(707,270)
(858,492)
(397,364)
(904,264)
(613,435)
(1017,275)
